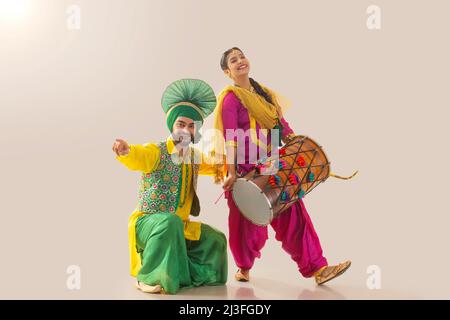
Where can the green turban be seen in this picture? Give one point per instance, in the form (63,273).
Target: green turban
(182,111)
(190,98)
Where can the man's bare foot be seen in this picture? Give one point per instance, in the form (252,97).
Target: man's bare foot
(328,273)
(149,289)
(242,275)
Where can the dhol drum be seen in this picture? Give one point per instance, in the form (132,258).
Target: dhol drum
(275,184)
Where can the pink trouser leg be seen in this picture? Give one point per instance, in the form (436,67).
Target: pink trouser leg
(296,232)
(246,239)
(293,228)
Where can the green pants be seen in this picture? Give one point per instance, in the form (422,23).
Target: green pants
(173,262)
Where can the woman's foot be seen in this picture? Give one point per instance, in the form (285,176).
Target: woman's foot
(242,275)
(149,289)
(328,273)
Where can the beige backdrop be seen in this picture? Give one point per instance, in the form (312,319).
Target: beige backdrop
(377,100)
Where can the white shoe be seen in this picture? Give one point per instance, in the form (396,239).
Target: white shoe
(148,289)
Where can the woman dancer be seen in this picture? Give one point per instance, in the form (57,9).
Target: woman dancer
(248,105)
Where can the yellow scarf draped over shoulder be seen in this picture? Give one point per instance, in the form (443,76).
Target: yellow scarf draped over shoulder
(266,115)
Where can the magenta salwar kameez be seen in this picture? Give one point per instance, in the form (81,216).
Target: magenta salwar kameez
(293,228)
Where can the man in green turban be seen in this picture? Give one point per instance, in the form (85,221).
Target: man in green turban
(167,250)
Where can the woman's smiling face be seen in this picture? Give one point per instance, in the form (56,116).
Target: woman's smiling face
(238,65)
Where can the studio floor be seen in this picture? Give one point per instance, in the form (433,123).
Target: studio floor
(273,289)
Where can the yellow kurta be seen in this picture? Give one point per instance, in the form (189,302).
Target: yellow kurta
(145,158)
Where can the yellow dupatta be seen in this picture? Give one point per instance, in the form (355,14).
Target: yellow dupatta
(264,113)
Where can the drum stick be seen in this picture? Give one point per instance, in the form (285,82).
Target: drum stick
(217,200)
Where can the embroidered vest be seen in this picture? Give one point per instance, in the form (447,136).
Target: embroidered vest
(160,190)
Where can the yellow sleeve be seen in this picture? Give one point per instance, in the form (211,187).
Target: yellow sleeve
(206,167)
(143,158)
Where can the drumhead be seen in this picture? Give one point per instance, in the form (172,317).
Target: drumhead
(252,202)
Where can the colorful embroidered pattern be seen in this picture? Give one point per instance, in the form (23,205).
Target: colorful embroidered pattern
(160,191)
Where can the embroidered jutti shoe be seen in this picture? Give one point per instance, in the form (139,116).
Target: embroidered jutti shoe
(243,276)
(149,289)
(328,273)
